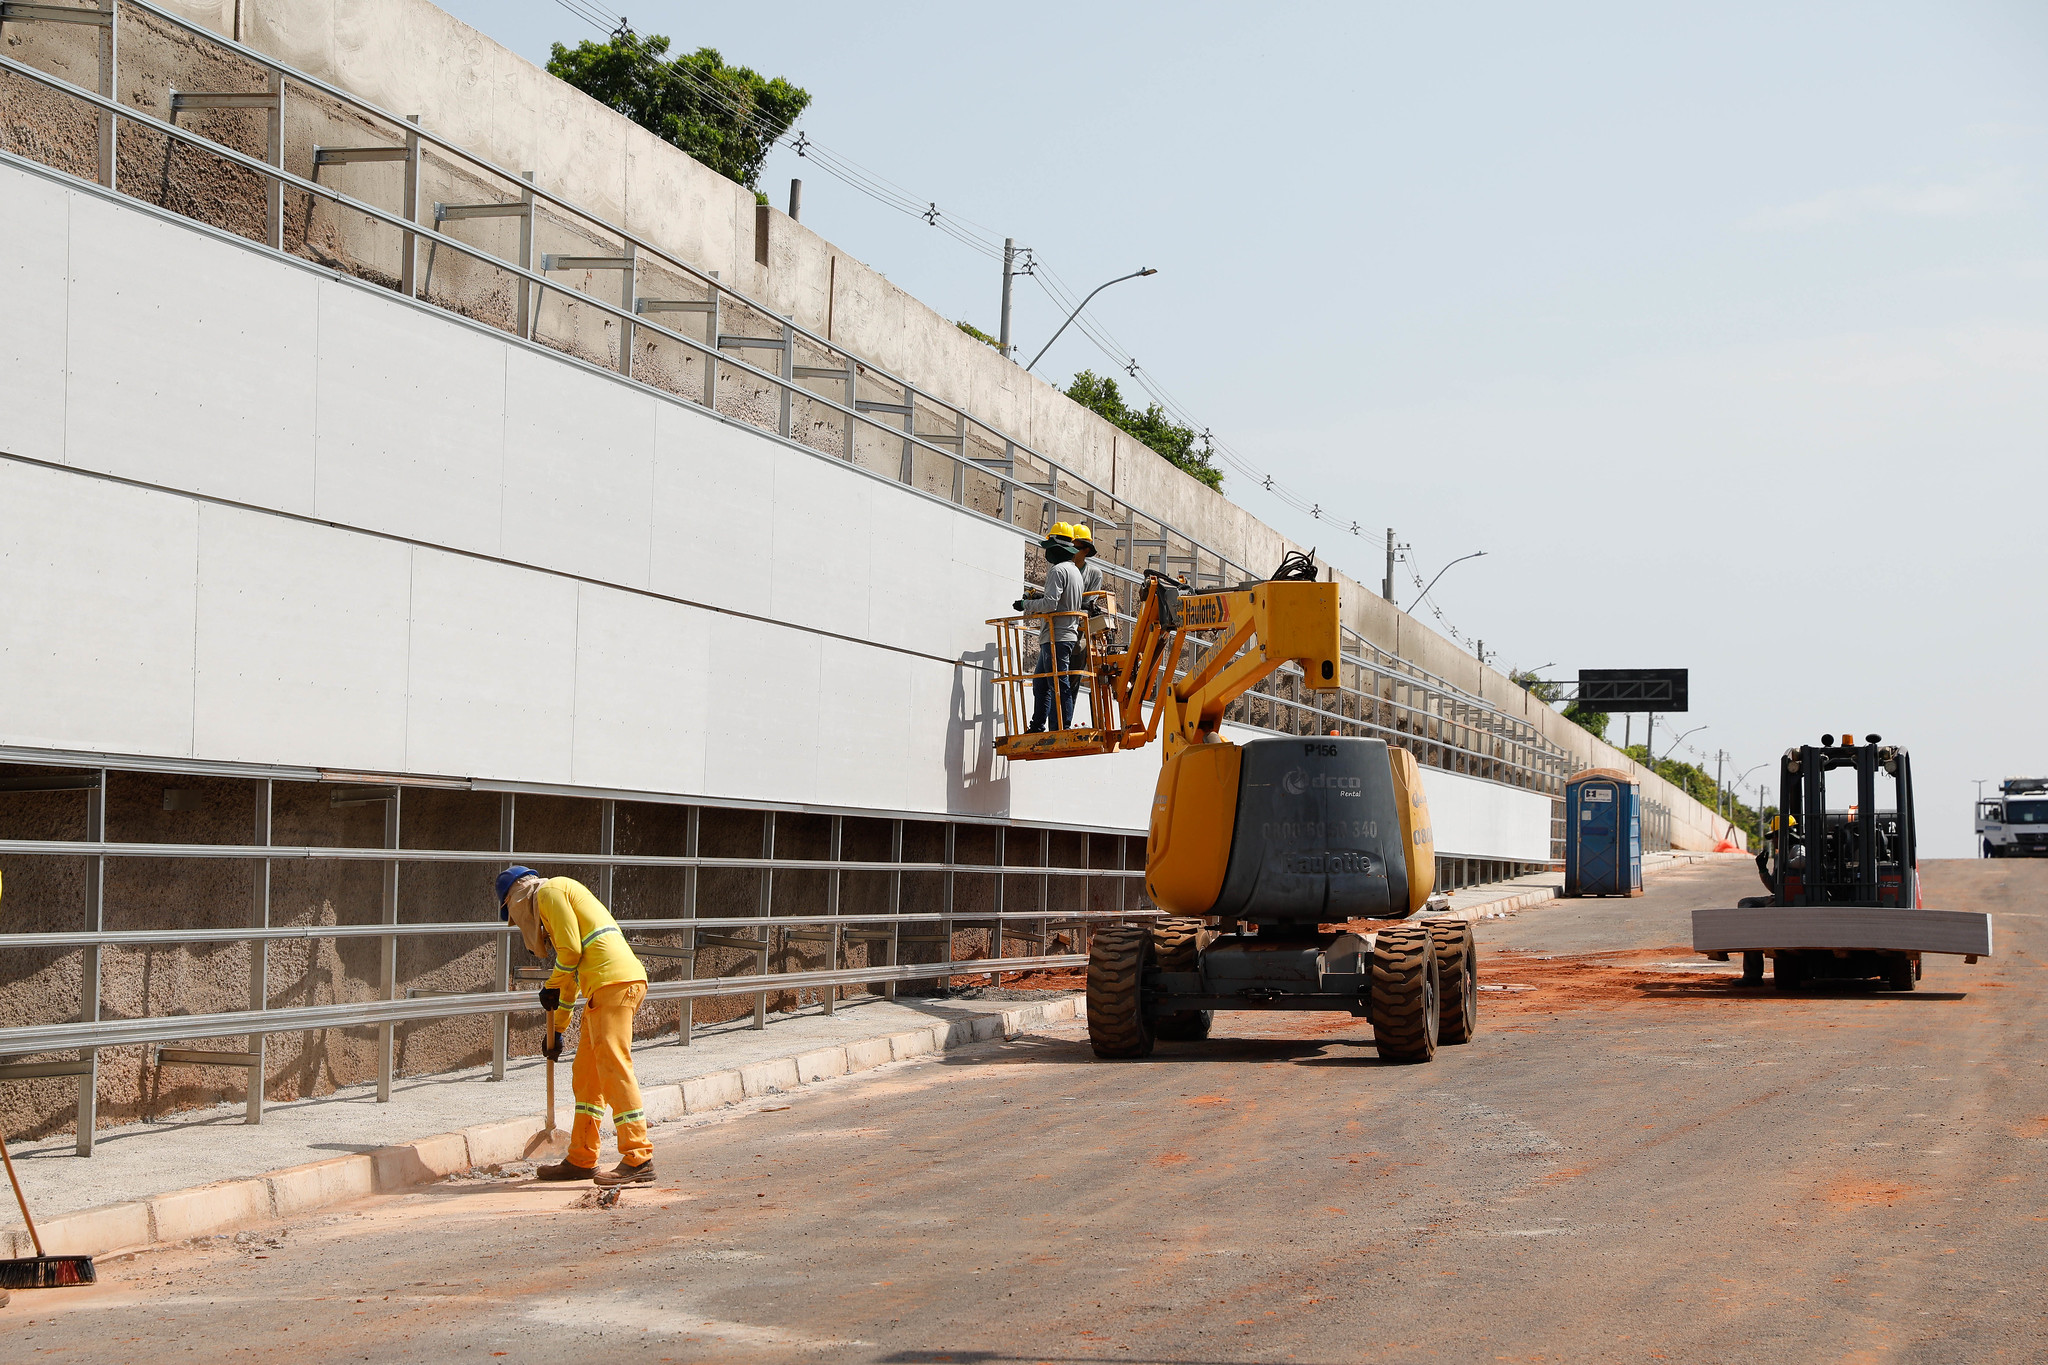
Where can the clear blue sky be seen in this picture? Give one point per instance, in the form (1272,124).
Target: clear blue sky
(1723,330)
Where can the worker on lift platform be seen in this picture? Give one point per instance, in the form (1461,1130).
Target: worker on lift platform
(561,920)
(1061,638)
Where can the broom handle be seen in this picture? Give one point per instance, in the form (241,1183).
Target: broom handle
(15,1181)
(549,1125)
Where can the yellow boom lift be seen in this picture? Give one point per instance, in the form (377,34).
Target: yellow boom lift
(1255,848)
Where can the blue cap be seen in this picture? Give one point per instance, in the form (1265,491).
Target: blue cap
(505,881)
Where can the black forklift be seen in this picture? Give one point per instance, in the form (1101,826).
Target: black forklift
(1844,883)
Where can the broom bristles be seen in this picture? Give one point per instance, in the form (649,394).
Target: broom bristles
(46,1272)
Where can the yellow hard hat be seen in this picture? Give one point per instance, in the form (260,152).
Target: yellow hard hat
(1082,536)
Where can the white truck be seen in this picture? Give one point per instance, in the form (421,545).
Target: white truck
(2014,823)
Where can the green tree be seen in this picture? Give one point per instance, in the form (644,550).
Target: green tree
(1551,692)
(1587,718)
(725,116)
(1163,436)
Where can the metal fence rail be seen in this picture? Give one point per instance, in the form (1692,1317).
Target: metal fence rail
(944,450)
(752,927)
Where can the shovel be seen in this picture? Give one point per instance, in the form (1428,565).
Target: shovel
(550,1144)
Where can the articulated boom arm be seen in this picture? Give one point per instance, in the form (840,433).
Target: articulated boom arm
(1262,627)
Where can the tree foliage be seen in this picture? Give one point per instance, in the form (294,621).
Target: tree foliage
(1551,692)
(1163,436)
(727,117)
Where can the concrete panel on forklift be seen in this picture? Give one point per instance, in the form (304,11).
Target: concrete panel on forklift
(1772,927)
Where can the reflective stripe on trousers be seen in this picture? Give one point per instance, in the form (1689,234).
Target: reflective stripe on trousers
(603,1075)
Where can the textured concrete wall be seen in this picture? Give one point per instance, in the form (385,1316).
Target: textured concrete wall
(410,57)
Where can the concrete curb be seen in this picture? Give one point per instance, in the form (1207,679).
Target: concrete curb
(231,1205)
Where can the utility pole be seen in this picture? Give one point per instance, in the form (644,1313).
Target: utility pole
(1387,584)
(1719,794)
(796,201)
(1009,273)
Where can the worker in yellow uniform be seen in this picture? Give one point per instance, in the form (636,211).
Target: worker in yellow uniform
(560,919)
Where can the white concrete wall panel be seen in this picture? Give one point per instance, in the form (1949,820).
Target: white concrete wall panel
(712,496)
(828,537)
(492,670)
(300,642)
(762,736)
(157,622)
(34,281)
(866,721)
(98,585)
(191,361)
(579,470)
(410,422)
(643,691)
(1477,819)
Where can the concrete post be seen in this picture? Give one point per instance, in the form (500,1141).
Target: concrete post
(1009,273)
(796,201)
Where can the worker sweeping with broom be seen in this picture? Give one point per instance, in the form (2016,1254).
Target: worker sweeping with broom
(561,920)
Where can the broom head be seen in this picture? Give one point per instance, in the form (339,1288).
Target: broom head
(45,1272)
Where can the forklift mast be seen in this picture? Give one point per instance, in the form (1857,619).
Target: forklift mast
(1862,856)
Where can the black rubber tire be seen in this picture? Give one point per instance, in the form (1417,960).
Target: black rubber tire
(1457,974)
(1177,944)
(1787,972)
(1900,975)
(1188,1026)
(1752,969)
(1404,993)
(1117,955)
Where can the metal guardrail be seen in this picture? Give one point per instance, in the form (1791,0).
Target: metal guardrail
(1009,481)
(762,931)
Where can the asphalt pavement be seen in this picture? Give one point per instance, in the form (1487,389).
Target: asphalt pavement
(1637,1159)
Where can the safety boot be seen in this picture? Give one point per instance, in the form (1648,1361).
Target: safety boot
(622,1174)
(564,1170)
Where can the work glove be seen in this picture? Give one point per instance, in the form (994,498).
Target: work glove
(1017,605)
(550,999)
(552,1048)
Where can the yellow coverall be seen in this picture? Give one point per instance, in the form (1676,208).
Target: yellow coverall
(592,956)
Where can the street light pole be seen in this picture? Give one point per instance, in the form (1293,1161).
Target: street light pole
(1439,574)
(1135,274)
(1674,746)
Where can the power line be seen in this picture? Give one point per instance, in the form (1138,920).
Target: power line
(985,242)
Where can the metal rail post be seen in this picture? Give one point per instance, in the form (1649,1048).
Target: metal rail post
(690,827)
(895,900)
(501,1028)
(110,59)
(766,911)
(387,949)
(835,851)
(524,286)
(259,955)
(946,903)
(409,261)
(89,964)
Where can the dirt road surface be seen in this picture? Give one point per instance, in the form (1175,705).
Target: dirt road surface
(1636,1160)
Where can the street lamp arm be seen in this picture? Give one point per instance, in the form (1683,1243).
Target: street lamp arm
(1148,270)
(1439,574)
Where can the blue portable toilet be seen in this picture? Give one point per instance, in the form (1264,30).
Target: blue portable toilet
(1603,834)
